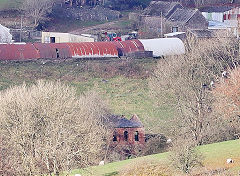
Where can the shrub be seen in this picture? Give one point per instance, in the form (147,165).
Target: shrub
(50,129)
(184,156)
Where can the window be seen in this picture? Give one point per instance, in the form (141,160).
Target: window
(136,136)
(115,137)
(174,29)
(125,135)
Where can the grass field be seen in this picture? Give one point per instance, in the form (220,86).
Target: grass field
(9,4)
(122,83)
(215,156)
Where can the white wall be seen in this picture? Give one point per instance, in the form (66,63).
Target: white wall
(5,36)
(164,46)
(65,38)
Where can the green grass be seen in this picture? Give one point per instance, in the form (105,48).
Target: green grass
(215,156)
(10,4)
(126,89)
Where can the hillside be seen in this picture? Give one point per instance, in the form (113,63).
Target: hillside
(215,156)
(123,83)
(8,5)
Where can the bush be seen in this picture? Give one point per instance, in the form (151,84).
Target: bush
(50,129)
(155,144)
(184,156)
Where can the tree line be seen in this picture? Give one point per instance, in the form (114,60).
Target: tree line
(202,87)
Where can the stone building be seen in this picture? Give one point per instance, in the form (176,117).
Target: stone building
(165,17)
(184,19)
(128,136)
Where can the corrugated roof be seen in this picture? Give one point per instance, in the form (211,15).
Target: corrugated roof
(128,46)
(18,52)
(50,50)
(93,49)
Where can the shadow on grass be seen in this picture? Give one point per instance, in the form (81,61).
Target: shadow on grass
(111,174)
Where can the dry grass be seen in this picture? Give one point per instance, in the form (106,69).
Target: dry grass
(143,168)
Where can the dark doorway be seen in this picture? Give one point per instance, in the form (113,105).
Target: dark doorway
(52,40)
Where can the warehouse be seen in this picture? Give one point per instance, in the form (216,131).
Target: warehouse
(130,48)
(57,37)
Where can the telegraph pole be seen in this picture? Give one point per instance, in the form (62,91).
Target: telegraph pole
(161,24)
(21,28)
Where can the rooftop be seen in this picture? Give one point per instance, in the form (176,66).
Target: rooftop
(173,34)
(216,9)
(157,7)
(203,33)
(118,121)
(182,15)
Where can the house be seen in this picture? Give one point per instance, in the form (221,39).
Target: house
(232,14)
(184,19)
(128,136)
(57,37)
(166,17)
(220,14)
(223,18)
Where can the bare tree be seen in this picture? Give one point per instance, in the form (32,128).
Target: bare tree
(184,82)
(227,92)
(37,9)
(184,156)
(50,128)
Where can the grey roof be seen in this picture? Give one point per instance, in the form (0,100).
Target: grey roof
(118,121)
(182,15)
(203,33)
(157,7)
(217,9)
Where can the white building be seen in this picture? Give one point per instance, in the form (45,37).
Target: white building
(5,36)
(57,37)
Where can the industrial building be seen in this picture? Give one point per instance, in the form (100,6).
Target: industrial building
(57,37)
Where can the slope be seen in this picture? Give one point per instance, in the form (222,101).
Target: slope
(215,156)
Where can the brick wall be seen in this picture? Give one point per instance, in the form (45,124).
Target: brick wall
(119,132)
(129,147)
